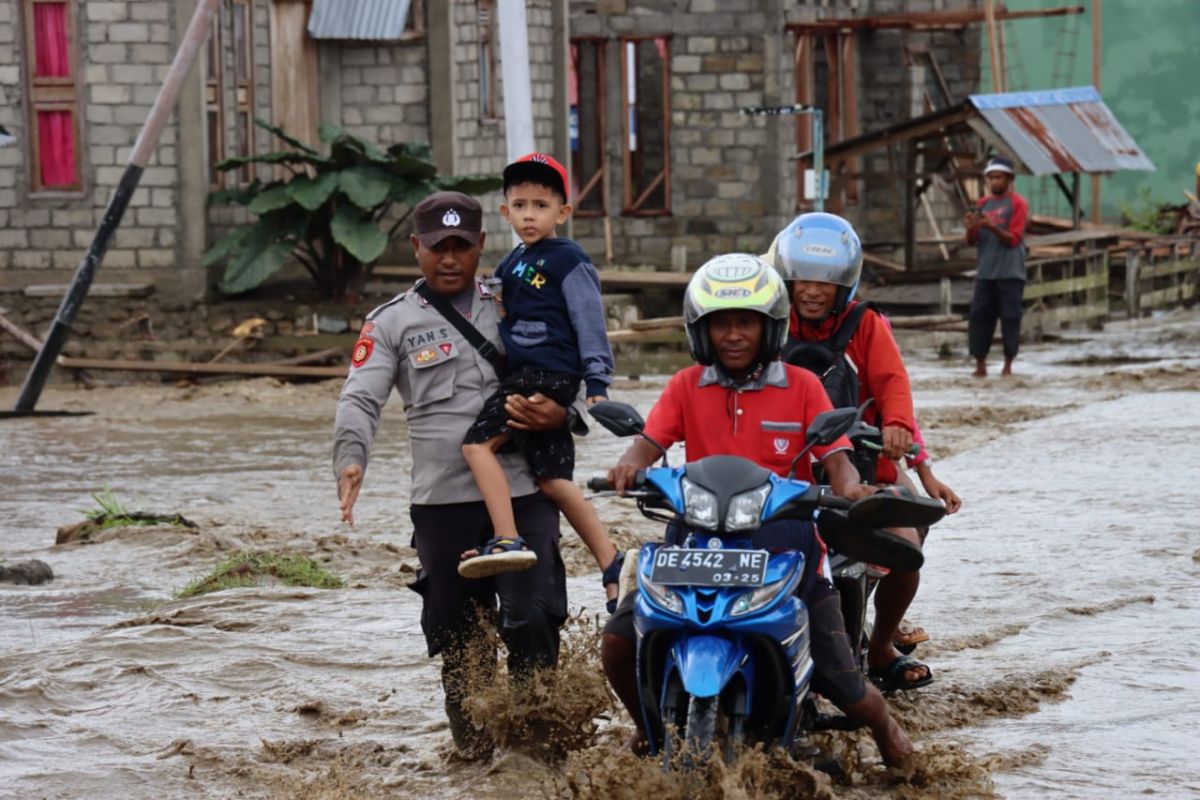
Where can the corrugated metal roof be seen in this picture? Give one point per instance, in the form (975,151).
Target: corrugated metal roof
(1061,130)
(374,20)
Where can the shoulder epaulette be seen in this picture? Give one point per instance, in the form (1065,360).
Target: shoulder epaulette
(378,309)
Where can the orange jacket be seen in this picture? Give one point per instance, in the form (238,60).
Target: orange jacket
(881,373)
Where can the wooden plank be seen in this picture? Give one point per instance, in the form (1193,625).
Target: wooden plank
(609,278)
(1168,296)
(657,323)
(1065,286)
(20,334)
(1067,314)
(97,290)
(1071,237)
(924,320)
(187,368)
(878,261)
(1167,268)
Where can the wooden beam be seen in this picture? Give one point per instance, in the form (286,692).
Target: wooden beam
(929,19)
(935,125)
(187,368)
(609,278)
(989,13)
(20,334)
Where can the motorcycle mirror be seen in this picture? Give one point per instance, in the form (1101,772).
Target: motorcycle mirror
(621,419)
(827,426)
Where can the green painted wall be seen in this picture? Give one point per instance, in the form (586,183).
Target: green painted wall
(1150,57)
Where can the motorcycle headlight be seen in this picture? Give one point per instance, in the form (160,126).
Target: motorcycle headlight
(755,599)
(663,596)
(700,506)
(745,509)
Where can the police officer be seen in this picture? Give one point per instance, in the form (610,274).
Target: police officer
(443,381)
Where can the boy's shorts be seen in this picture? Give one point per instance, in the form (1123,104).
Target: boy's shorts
(551,454)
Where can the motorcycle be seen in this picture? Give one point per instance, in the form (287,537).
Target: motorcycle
(723,653)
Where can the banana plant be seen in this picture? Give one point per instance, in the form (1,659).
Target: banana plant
(327,211)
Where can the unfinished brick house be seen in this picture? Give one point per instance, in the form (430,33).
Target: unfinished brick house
(643,95)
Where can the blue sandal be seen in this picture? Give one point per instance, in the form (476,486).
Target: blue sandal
(891,678)
(497,555)
(612,574)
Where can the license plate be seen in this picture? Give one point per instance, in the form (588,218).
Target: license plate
(678,566)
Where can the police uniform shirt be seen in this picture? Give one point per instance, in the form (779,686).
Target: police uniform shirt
(443,382)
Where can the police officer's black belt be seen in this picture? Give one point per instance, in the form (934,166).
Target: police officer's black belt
(469,331)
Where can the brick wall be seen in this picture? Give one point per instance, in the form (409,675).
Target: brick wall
(127,47)
(731,177)
(384,91)
(885,99)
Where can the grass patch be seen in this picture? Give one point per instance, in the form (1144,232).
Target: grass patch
(255,569)
(112,513)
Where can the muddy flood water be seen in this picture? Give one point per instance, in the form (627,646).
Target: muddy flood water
(1062,602)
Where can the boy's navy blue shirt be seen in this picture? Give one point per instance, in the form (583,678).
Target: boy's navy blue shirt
(554,318)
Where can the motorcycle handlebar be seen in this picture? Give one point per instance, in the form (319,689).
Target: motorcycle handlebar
(601,483)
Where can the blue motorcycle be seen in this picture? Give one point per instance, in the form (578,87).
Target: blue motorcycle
(722,637)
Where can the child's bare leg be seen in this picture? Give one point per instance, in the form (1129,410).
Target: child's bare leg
(493,483)
(583,518)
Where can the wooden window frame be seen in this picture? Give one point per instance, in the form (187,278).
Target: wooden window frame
(597,181)
(488,34)
(214,100)
(243,85)
(414,26)
(53,94)
(632,206)
(841,112)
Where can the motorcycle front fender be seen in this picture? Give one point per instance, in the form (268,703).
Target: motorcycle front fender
(706,663)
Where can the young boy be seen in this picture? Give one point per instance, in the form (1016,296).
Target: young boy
(554,337)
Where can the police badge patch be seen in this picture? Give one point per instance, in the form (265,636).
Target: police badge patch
(362,351)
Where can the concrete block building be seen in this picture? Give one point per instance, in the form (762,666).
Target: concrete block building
(643,96)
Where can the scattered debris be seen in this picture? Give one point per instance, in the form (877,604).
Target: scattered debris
(28,573)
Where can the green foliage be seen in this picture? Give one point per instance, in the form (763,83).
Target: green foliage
(254,569)
(113,513)
(327,213)
(1147,214)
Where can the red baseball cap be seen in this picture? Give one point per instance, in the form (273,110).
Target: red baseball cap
(540,168)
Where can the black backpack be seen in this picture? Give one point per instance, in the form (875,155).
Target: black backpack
(827,360)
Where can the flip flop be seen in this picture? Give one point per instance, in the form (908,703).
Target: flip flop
(908,637)
(891,678)
(868,545)
(497,555)
(895,508)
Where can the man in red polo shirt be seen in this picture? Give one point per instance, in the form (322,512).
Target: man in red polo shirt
(741,400)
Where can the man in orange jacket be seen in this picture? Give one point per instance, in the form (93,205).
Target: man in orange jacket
(852,347)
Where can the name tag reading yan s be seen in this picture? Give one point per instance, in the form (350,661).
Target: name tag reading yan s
(433,354)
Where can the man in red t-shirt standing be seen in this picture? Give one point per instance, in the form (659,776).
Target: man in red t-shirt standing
(997,228)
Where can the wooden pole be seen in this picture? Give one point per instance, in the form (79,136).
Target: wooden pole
(989,11)
(143,148)
(1096,60)
(20,334)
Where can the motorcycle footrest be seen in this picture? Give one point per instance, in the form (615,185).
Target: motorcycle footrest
(835,722)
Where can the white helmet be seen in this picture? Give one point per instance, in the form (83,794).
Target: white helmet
(736,281)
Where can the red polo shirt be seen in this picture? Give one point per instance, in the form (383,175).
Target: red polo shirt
(764,420)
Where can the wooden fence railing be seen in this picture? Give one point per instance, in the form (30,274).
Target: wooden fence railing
(1066,289)
(1159,275)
